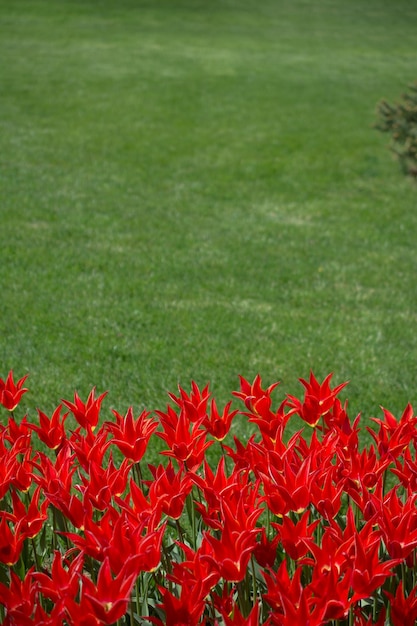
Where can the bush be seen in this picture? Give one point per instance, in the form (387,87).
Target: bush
(401,121)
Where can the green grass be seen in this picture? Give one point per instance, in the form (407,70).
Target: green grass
(193,190)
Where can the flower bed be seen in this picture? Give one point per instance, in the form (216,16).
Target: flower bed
(284,530)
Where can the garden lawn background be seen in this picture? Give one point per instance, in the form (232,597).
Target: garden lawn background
(194,190)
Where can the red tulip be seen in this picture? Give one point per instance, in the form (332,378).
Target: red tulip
(10,392)
(101,485)
(51,430)
(89,446)
(30,519)
(21,468)
(185,439)
(265,551)
(139,507)
(20,596)
(195,573)
(86,414)
(55,479)
(398,524)
(110,595)
(293,534)
(185,610)
(403,607)
(193,405)
(11,542)
(235,618)
(16,466)
(97,534)
(19,435)
(319,399)
(169,490)
(132,435)
(258,401)
(230,555)
(288,489)
(219,425)
(288,599)
(368,572)
(326,492)
(252,393)
(214,487)
(62,581)
(394,436)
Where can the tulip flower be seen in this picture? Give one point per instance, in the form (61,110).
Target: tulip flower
(394,436)
(253,393)
(10,392)
(139,507)
(403,607)
(398,524)
(293,534)
(11,542)
(89,446)
(214,488)
(265,551)
(19,597)
(101,485)
(235,618)
(326,492)
(319,399)
(16,466)
(186,440)
(108,599)
(19,435)
(30,519)
(185,610)
(62,580)
(132,435)
(55,479)
(289,489)
(219,425)
(86,414)
(20,465)
(367,571)
(195,572)
(169,489)
(230,555)
(193,405)
(96,534)
(289,600)
(51,431)
(252,456)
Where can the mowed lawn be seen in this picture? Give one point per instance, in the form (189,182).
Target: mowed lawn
(193,190)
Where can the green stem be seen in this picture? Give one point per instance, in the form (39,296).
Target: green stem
(138,586)
(254,582)
(137,474)
(268,522)
(131,613)
(35,554)
(180,531)
(192,519)
(225,456)
(404,576)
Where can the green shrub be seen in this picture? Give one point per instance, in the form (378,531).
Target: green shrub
(400,120)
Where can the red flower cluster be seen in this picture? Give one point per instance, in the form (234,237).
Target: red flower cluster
(283,529)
